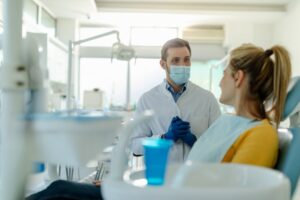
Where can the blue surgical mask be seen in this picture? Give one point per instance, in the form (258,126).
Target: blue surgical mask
(180,74)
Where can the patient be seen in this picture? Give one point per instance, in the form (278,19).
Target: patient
(254,82)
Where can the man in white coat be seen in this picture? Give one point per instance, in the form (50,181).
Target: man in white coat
(183,110)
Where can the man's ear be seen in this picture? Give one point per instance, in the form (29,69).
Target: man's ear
(239,78)
(163,64)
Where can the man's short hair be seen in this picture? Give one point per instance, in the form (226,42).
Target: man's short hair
(174,43)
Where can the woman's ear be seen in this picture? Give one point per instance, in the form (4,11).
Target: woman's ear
(239,78)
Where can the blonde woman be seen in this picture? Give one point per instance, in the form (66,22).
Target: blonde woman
(255,83)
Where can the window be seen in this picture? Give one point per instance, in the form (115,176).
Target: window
(112,77)
(152,36)
(31,11)
(208,76)
(1,51)
(57,63)
(145,74)
(108,77)
(48,22)
(1,57)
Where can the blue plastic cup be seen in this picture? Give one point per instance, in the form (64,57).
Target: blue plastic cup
(156,153)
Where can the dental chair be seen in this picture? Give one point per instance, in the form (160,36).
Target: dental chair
(289,139)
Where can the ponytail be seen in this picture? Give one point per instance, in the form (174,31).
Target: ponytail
(281,78)
(268,74)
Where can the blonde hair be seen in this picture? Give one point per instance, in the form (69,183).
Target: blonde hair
(268,78)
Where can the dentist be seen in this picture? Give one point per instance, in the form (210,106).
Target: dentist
(183,110)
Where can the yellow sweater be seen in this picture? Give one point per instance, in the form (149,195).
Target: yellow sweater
(257,146)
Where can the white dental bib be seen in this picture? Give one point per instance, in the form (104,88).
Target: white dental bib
(212,146)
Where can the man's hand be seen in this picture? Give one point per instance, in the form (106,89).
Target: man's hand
(176,129)
(189,138)
(184,133)
(97,183)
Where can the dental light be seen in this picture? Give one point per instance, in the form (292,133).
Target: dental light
(122,52)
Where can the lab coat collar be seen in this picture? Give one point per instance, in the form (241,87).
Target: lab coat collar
(165,84)
(170,88)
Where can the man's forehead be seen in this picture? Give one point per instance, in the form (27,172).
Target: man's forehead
(178,52)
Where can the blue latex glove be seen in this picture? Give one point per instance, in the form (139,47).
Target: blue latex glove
(187,136)
(176,129)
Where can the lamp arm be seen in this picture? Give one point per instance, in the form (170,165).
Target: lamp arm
(96,37)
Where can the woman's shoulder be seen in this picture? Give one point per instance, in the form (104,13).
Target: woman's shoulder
(263,129)
(266,124)
(262,134)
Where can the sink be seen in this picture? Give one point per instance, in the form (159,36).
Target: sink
(202,181)
(71,139)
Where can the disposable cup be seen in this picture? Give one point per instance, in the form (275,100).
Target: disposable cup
(156,153)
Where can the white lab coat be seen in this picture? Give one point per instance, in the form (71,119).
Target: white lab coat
(195,105)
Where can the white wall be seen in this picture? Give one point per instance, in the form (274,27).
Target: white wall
(287,33)
(239,32)
(263,34)
(67,29)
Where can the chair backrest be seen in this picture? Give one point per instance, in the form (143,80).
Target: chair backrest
(289,139)
(292,103)
(289,159)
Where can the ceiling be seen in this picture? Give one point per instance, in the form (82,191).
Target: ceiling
(154,5)
(205,1)
(167,12)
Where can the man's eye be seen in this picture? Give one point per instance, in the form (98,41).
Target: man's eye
(176,60)
(187,60)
